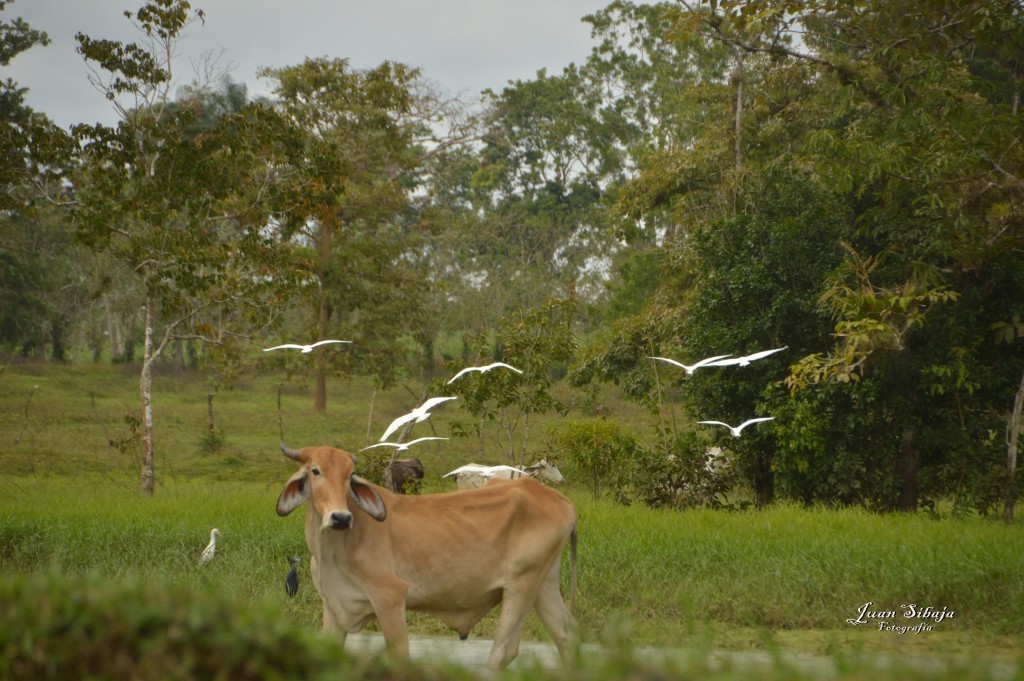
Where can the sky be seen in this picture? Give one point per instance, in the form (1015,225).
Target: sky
(464,46)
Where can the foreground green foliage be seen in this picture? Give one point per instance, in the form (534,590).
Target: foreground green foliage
(89,627)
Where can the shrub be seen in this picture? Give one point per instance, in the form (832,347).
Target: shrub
(602,455)
(89,627)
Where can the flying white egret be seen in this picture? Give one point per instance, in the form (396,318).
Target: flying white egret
(485,369)
(402,446)
(211,548)
(305,348)
(693,367)
(291,580)
(744,361)
(419,414)
(486,471)
(736,430)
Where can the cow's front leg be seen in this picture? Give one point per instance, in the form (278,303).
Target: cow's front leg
(335,625)
(389,605)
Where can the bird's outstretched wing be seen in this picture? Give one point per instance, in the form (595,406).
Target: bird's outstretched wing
(286,346)
(670,361)
(462,373)
(693,367)
(486,471)
(467,468)
(423,439)
(402,445)
(757,420)
(323,342)
(482,369)
(431,403)
(398,423)
(396,445)
(747,359)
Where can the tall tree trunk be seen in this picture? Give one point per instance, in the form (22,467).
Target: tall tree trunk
(738,77)
(909,465)
(323,322)
(146,393)
(1011,454)
(113,334)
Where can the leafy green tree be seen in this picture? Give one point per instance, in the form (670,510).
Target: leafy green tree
(902,130)
(923,145)
(36,258)
(44,281)
(34,150)
(537,341)
(183,211)
(350,182)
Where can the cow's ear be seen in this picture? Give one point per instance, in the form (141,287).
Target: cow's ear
(295,491)
(367,498)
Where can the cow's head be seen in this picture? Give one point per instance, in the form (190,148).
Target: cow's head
(328,475)
(547,470)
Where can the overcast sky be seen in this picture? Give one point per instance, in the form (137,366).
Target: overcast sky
(464,46)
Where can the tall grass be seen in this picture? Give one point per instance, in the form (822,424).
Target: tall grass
(69,502)
(676,575)
(791,568)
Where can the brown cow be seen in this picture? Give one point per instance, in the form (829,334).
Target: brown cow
(455,555)
(404,475)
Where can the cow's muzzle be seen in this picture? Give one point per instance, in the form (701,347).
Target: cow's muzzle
(338,520)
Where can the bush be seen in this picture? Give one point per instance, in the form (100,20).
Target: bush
(65,628)
(685,477)
(602,455)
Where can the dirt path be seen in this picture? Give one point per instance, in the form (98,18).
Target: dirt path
(472,654)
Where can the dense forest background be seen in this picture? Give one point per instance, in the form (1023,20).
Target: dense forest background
(842,179)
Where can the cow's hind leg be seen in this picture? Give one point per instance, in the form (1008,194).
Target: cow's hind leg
(555,615)
(517,600)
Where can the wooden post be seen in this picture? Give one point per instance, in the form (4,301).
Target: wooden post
(1013,430)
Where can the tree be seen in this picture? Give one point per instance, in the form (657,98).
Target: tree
(34,150)
(183,211)
(32,239)
(905,129)
(923,144)
(362,135)
(536,341)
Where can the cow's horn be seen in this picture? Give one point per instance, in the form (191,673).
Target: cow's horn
(292,454)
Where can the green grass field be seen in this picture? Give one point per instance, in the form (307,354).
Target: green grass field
(786,578)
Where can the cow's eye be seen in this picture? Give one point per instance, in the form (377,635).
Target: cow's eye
(316,471)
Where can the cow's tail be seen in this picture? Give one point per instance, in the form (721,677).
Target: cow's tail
(572,569)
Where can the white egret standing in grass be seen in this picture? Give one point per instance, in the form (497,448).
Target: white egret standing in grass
(483,369)
(211,548)
(744,361)
(402,446)
(692,367)
(737,429)
(419,414)
(305,348)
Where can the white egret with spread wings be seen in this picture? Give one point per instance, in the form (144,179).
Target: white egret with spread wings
(484,369)
(419,414)
(306,349)
(736,430)
(692,367)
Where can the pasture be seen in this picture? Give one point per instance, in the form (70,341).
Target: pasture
(787,578)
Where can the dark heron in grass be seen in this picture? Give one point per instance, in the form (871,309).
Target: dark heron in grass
(291,580)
